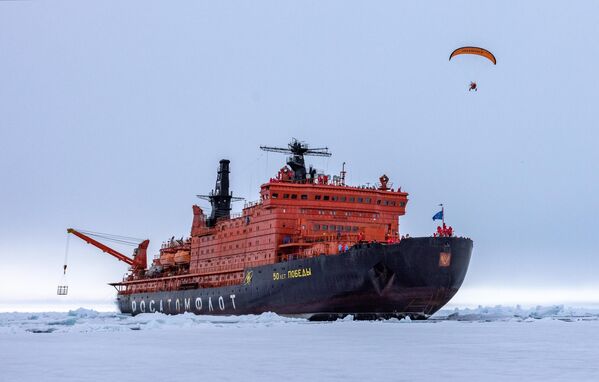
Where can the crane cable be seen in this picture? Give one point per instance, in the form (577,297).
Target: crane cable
(66,256)
(63,288)
(125,240)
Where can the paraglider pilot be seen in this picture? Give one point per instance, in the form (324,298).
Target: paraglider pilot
(473,86)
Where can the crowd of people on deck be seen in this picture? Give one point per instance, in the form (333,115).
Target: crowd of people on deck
(443,231)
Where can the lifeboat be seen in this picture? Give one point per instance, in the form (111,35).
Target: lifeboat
(167,259)
(182,257)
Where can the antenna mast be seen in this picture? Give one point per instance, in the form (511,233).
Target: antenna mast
(296,161)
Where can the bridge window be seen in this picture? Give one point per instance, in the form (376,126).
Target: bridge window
(367,200)
(352,199)
(325,227)
(378,201)
(342,199)
(293,196)
(316,227)
(304,197)
(326,197)
(275,195)
(285,196)
(317,197)
(360,200)
(402,204)
(334,198)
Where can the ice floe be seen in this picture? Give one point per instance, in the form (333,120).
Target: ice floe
(85,320)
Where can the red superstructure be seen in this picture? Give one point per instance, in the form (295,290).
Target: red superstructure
(293,220)
(300,214)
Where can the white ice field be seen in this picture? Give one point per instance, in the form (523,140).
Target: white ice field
(484,344)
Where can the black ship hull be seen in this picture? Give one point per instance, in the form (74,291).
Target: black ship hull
(414,278)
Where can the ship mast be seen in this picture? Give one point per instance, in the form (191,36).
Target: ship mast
(296,161)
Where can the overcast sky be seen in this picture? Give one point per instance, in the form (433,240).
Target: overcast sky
(113,116)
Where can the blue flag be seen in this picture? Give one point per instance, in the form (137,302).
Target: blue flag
(438,215)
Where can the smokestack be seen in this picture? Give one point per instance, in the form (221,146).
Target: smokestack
(220,198)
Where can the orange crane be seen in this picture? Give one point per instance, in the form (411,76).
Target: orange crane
(139,261)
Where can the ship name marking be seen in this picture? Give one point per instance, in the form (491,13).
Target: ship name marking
(302,272)
(139,306)
(292,274)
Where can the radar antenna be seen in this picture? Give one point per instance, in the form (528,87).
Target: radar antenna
(296,161)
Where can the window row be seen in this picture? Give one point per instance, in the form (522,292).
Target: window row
(337,228)
(344,199)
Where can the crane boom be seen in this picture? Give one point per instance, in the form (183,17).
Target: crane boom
(138,262)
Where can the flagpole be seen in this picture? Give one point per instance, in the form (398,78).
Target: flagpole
(442,214)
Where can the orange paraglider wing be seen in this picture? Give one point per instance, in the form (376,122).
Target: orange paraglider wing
(474,50)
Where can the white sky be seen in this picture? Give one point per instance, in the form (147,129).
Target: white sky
(113,116)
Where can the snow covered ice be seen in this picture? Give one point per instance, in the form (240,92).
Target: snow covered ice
(487,343)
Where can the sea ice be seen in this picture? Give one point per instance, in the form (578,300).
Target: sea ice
(487,343)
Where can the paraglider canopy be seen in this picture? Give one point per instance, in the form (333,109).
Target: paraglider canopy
(474,50)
